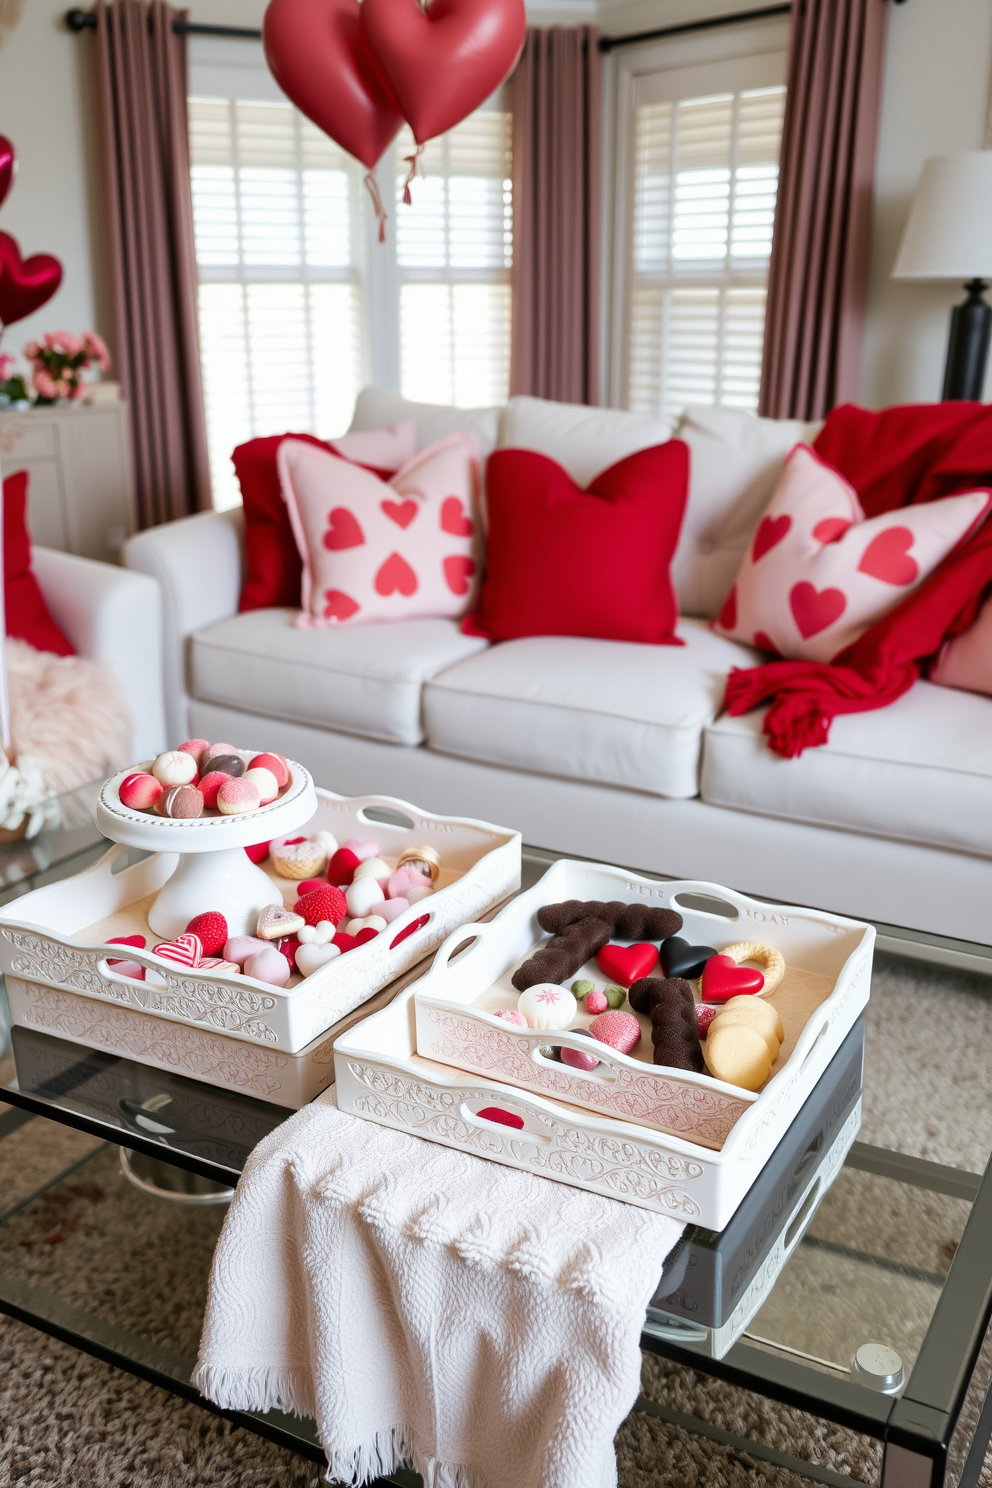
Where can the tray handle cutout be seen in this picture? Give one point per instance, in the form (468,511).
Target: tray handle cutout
(411,929)
(672,1329)
(491,1118)
(821,1034)
(707,904)
(802,1216)
(461,942)
(386,816)
(603,1074)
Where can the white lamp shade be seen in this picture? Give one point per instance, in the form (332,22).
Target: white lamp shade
(949,231)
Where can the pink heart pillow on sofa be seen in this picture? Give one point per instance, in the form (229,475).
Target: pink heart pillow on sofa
(384,550)
(818,574)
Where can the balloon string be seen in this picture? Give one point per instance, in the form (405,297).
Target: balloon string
(412,161)
(380,212)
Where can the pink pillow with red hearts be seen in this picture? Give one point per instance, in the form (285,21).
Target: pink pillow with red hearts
(373,549)
(818,573)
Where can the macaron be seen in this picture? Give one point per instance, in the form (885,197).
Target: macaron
(274,762)
(175,768)
(182,802)
(139,791)
(236,797)
(268,785)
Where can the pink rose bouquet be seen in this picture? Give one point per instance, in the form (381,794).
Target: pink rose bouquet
(58,361)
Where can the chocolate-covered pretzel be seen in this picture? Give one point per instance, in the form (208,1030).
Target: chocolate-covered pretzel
(671,1007)
(626,921)
(563,954)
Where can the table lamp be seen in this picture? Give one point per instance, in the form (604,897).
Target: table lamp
(948,235)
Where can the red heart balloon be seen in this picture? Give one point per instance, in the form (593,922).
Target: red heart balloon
(25,283)
(441,63)
(320,59)
(8,164)
(724,979)
(626,964)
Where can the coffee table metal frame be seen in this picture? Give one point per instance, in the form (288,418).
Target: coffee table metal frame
(916,1427)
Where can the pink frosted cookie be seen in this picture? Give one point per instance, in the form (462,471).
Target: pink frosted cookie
(237,795)
(175,768)
(620,1030)
(139,791)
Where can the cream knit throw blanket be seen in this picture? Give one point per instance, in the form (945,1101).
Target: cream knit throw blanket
(428,1307)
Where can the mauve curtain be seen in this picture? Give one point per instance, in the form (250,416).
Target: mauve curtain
(818,276)
(139,87)
(557,93)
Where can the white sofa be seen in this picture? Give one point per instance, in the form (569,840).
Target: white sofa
(599,748)
(113,616)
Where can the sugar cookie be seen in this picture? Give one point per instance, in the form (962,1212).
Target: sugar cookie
(759,1007)
(744,1018)
(737,1054)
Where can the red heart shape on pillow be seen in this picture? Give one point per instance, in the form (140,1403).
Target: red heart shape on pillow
(771,531)
(724,979)
(626,964)
(8,160)
(320,58)
(343,530)
(831,529)
(815,609)
(400,512)
(458,570)
(454,520)
(396,575)
(887,557)
(25,283)
(186,949)
(440,63)
(727,617)
(338,605)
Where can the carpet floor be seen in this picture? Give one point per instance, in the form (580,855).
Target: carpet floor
(96,1243)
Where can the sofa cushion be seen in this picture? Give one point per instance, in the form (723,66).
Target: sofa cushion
(583,440)
(362,679)
(608,711)
(375,408)
(919,770)
(735,462)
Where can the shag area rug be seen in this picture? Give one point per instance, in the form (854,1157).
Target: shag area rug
(68,1420)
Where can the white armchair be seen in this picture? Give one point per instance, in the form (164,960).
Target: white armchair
(112,616)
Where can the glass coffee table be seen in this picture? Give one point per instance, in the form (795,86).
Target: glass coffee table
(877,1321)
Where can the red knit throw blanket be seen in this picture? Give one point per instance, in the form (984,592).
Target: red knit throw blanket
(895,458)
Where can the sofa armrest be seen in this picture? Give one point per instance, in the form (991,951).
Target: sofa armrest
(113,617)
(198,563)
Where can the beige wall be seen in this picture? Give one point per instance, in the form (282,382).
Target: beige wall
(936,99)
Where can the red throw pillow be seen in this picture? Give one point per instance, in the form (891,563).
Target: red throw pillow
(563,561)
(27,615)
(272,559)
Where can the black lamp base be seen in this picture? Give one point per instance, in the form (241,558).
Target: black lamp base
(968,346)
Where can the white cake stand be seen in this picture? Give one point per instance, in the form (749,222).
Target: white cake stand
(212,871)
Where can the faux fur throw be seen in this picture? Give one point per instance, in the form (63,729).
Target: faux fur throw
(68,714)
(429,1307)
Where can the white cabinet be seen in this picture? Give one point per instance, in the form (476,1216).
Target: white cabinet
(80,492)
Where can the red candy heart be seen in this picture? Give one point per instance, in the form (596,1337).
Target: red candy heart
(258,852)
(341,869)
(400,512)
(343,530)
(186,949)
(453,518)
(25,283)
(365,935)
(887,557)
(344,941)
(626,964)
(321,60)
(395,575)
(724,979)
(132,969)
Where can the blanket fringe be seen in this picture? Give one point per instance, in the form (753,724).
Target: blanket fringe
(390,1449)
(263,1389)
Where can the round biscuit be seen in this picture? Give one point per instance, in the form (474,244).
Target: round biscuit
(737,1054)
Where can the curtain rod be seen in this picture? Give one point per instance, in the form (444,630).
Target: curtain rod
(611,43)
(85,20)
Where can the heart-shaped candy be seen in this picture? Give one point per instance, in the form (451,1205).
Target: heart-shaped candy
(626,964)
(724,979)
(268,965)
(274,922)
(368,922)
(187,950)
(320,934)
(240,947)
(374,868)
(344,942)
(361,894)
(362,850)
(390,909)
(364,936)
(133,969)
(310,958)
(680,959)
(341,868)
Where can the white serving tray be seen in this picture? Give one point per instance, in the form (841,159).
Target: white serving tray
(57,937)
(382,1077)
(826,957)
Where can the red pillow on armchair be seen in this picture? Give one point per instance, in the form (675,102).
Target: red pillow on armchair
(563,561)
(27,615)
(272,559)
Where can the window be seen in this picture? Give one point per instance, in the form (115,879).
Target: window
(703,145)
(300,304)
